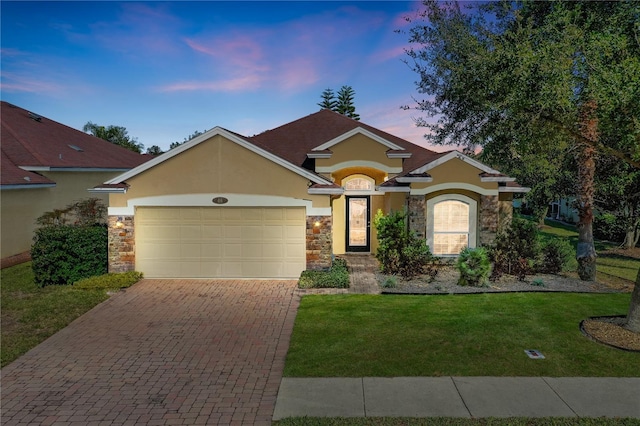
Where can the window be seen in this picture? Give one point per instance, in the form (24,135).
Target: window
(358,184)
(451,224)
(450,227)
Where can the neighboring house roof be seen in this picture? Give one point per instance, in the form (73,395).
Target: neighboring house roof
(32,143)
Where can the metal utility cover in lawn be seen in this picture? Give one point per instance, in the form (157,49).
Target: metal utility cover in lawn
(534,354)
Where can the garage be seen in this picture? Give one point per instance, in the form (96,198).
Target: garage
(220,242)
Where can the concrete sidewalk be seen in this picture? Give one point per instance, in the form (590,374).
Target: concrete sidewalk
(459,397)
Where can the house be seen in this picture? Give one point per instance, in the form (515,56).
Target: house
(47,165)
(286,200)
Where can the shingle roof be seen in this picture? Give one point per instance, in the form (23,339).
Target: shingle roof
(29,140)
(10,174)
(292,141)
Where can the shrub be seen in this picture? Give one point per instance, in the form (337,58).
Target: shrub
(390,282)
(556,254)
(400,251)
(608,227)
(474,267)
(66,254)
(88,212)
(515,249)
(336,277)
(109,281)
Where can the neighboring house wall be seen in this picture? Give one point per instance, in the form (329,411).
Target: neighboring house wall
(21,207)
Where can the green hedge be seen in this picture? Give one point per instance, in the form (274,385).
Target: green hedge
(336,277)
(66,254)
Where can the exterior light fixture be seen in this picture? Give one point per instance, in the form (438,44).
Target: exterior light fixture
(119,223)
(317,224)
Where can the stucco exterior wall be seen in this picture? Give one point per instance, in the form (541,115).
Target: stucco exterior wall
(218,166)
(21,207)
(359,148)
(455,171)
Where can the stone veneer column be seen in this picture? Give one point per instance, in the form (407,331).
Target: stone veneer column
(506,214)
(416,205)
(489,213)
(122,256)
(319,242)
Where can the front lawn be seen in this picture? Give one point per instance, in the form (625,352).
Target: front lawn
(608,264)
(30,314)
(454,335)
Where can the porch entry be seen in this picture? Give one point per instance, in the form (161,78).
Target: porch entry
(358,224)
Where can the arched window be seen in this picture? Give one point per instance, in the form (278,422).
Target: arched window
(358,184)
(451,224)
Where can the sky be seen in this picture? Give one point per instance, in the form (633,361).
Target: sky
(166,69)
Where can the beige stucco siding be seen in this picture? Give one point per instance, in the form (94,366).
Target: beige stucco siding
(359,148)
(21,207)
(455,171)
(218,166)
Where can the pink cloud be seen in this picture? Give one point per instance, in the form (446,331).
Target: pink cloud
(18,83)
(243,83)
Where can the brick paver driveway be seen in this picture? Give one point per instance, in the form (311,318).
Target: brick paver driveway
(162,352)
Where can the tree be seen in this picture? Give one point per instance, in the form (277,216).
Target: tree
(328,100)
(154,150)
(527,76)
(534,76)
(618,193)
(343,104)
(115,134)
(187,139)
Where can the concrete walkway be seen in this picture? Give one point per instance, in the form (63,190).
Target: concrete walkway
(459,397)
(362,269)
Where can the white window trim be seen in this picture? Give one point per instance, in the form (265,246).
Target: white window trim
(473,217)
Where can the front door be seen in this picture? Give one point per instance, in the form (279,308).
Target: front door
(358,224)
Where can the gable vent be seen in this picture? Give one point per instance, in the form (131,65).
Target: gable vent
(35,117)
(75,147)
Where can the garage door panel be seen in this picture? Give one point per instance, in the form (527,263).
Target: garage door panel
(210,242)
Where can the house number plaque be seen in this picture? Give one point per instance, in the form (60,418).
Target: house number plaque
(220,200)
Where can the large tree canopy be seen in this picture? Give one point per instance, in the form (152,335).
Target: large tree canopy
(535,78)
(522,74)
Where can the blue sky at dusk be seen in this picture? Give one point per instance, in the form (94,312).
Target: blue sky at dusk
(165,69)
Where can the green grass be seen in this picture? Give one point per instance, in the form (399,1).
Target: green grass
(610,264)
(454,335)
(454,421)
(30,314)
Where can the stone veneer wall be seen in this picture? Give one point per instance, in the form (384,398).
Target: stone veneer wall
(122,257)
(319,243)
(417,207)
(505,213)
(489,214)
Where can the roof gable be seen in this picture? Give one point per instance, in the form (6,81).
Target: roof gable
(358,131)
(231,136)
(447,156)
(310,134)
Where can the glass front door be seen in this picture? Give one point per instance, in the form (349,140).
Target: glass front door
(358,224)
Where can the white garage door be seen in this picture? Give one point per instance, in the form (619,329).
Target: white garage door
(220,242)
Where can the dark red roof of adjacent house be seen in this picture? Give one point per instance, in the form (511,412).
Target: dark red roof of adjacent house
(294,140)
(30,140)
(10,174)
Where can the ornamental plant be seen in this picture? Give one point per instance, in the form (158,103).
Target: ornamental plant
(474,267)
(399,250)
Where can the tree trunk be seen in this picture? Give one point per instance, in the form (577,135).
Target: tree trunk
(629,239)
(541,215)
(633,317)
(586,252)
